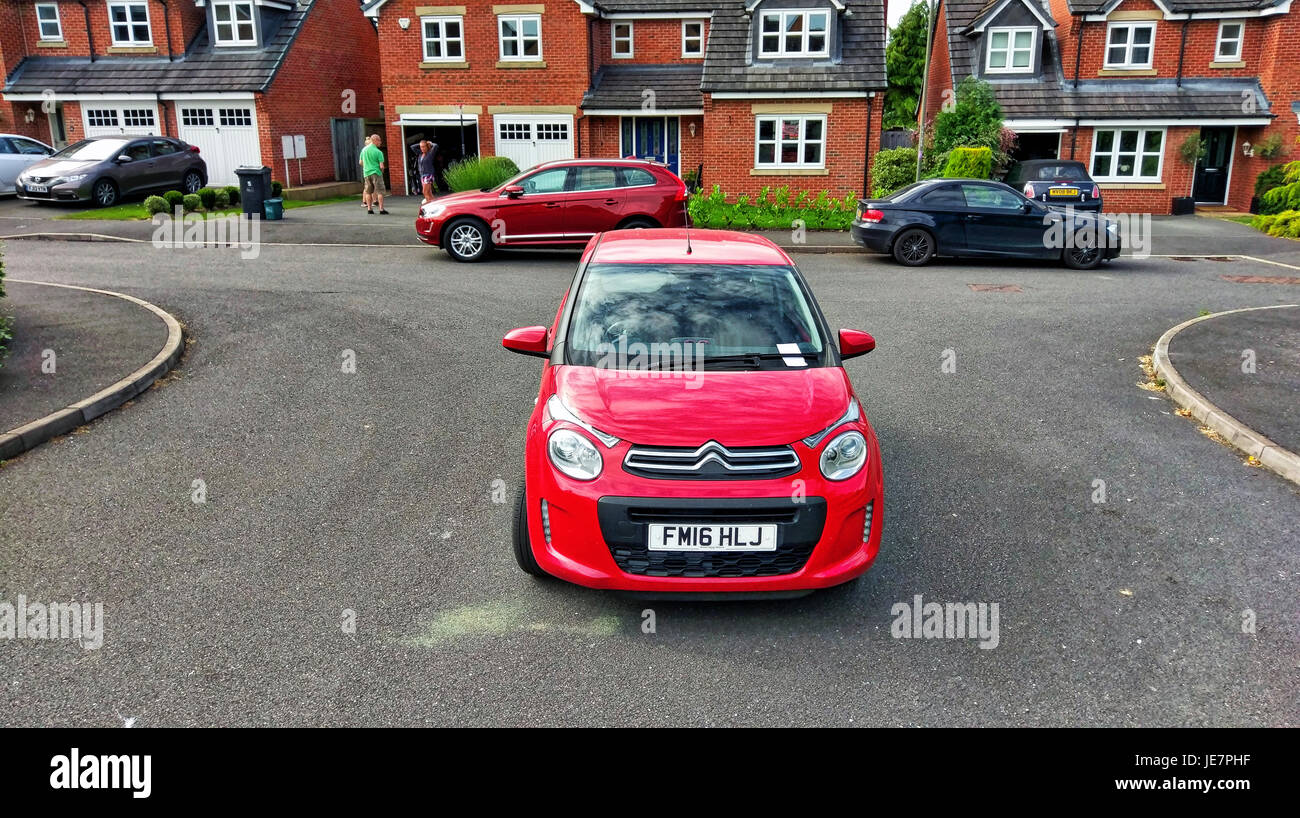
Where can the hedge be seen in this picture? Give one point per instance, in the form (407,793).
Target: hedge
(969,163)
(1285,224)
(892,169)
(773,210)
(1286,196)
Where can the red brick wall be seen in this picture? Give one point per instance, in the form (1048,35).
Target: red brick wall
(1176,175)
(939,79)
(186,21)
(653,41)
(1279,44)
(728,150)
(1202,36)
(334,52)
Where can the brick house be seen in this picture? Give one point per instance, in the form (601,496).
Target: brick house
(757,92)
(1120,84)
(230,76)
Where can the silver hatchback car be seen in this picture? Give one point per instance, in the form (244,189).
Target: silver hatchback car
(104,169)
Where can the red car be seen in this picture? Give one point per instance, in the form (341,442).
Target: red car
(555,204)
(695,429)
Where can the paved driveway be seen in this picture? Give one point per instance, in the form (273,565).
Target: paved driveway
(372,492)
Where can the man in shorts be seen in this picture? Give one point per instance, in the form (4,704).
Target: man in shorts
(372,171)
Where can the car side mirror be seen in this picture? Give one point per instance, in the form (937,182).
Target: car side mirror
(122,158)
(514,191)
(855,342)
(1027,207)
(527,341)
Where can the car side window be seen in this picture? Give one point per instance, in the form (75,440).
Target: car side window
(6,146)
(595,177)
(138,151)
(164,147)
(636,177)
(30,147)
(546,181)
(990,197)
(946,196)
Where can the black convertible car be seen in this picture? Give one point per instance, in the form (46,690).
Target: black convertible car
(978,218)
(1055,183)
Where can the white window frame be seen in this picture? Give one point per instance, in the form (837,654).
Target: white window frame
(1138,154)
(1131,27)
(782,15)
(686,38)
(778,119)
(234,22)
(57,37)
(1240,40)
(131,24)
(519,38)
(442,39)
(1010,50)
(615,39)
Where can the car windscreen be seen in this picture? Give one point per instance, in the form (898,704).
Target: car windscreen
(91,150)
(639,316)
(1068,172)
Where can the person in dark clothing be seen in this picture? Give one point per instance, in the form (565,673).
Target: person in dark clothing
(427,167)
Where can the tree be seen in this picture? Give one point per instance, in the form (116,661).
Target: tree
(905,66)
(974,120)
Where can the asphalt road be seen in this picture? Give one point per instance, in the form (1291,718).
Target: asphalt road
(373,492)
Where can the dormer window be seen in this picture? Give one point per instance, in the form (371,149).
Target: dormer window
(622,40)
(129,22)
(233,21)
(1128,45)
(794,33)
(1228,47)
(47,19)
(1011,50)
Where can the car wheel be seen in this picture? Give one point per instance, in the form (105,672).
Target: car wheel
(519,536)
(105,193)
(467,240)
(914,248)
(193,182)
(636,224)
(1081,258)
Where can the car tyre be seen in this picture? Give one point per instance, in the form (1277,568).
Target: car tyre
(467,240)
(104,193)
(193,182)
(1081,258)
(522,542)
(914,247)
(637,224)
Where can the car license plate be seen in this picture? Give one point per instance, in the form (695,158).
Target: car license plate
(712,538)
(37,189)
(1063,191)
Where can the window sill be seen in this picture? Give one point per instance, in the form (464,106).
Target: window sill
(1130,185)
(51,44)
(440,64)
(789,172)
(521,64)
(1127,72)
(1234,64)
(1009,72)
(133,49)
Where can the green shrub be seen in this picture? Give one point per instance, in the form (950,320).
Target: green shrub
(1263,222)
(155,205)
(1285,223)
(479,173)
(174,198)
(222,200)
(232,192)
(208,196)
(969,163)
(1269,179)
(1286,195)
(772,210)
(276,189)
(192,202)
(893,168)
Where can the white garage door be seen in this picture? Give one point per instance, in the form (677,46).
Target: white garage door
(225,133)
(112,119)
(532,138)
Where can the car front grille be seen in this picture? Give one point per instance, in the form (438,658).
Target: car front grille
(712,461)
(624,524)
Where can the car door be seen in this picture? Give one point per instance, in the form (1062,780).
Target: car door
(9,164)
(594,203)
(535,215)
(1001,222)
(27,152)
(169,163)
(141,172)
(947,209)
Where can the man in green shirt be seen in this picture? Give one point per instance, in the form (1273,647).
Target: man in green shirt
(372,170)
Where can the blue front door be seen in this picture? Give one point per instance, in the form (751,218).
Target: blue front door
(651,137)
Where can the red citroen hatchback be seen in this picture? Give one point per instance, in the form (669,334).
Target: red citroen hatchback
(695,429)
(555,204)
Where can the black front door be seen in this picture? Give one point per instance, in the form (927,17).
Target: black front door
(1211,185)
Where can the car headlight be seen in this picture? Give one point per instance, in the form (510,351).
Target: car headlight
(844,456)
(574,454)
(433,210)
(76,177)
(558,411)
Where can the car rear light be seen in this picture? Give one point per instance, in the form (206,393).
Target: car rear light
(194,148)
(1096,192)
(872,215)
(681,191)
(1029,190)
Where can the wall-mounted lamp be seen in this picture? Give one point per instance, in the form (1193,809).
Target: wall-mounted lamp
(691,128)
(1247,149)
(404,23)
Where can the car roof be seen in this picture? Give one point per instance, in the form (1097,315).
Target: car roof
(630,162)
(1050,162)
(669,246)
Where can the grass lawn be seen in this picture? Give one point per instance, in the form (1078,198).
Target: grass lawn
(134,211)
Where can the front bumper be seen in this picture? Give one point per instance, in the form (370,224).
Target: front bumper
(65,192)
(598,528)
(429,230)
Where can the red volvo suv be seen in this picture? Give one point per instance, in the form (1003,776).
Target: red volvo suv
(695,429)
(553,205)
